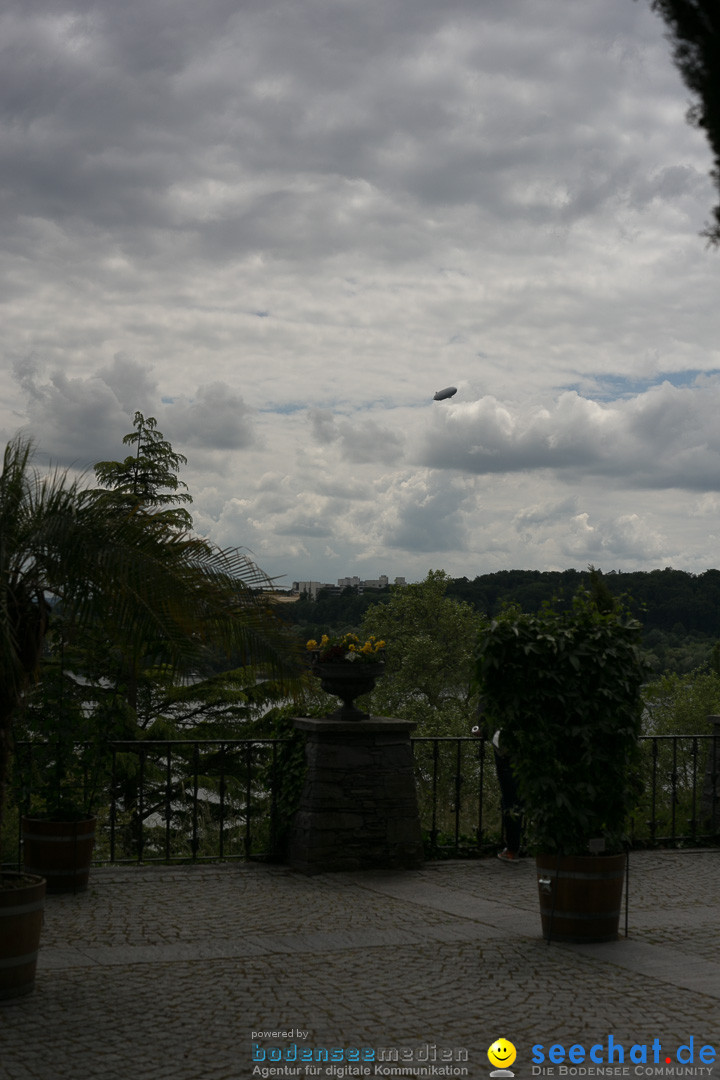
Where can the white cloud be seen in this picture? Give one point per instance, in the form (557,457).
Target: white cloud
(280,228)
(665,438)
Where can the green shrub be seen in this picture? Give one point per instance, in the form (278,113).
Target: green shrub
(564,688)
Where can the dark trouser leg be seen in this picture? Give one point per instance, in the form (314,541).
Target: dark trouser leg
(511,808)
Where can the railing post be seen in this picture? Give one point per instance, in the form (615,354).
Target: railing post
(113,802)
(674,795)
(222,803)
(459,781)
(710,802)
(248,798)
(168,800)
(196,785)
(274,801)
(141,807)
(693,818)
(481,758)
(433,828)
(653,802)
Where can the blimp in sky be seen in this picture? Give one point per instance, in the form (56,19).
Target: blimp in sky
(446,393)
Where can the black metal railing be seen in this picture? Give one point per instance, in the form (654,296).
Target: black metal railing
(460,801)
(681,790)
(203,800)
(200,800)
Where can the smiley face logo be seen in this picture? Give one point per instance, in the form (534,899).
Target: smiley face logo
(502,1053)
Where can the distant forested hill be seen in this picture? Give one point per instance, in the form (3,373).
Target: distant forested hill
(680,612)
(663,599)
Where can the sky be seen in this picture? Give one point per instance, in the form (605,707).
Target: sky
(281,227)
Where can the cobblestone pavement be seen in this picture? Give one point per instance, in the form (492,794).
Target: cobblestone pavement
(166,972)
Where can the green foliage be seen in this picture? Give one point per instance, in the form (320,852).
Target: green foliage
(429,656)
(339,614)
(564,688)
(694,31)
(140,479)
(678,705)
(680,612)
(285,775)
(140,594)
(458,796)
(681,704)
(67,768)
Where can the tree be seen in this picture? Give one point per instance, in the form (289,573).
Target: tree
(141,477)
(429,667)
(171,595)
(680,704)
(694,32)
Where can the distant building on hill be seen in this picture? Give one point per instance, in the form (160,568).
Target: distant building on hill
(312,588)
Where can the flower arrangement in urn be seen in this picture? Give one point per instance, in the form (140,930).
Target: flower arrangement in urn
(347,668)
(346,649)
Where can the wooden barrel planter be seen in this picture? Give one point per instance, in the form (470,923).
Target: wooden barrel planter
(59,851)
(580,896)
(22,899)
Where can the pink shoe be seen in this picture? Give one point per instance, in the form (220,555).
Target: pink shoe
(508,856)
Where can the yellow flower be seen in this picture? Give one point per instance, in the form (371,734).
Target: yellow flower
(324,640)
(312,644)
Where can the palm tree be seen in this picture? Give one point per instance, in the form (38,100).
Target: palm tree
(165,593)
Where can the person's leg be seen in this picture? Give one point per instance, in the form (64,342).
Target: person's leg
(511,809)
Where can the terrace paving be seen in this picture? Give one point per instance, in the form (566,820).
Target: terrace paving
(165,972)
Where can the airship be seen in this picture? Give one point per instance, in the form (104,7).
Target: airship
(446,393)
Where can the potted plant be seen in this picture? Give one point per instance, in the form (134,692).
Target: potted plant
(61,766)
(161,591)
(347,668)
(563,687)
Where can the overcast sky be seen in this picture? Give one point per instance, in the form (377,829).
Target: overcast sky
(280,227)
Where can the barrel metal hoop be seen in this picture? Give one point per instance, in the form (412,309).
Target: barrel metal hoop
(71,838)
(18,961)
(22,909)
(63,872)
(581,875)
(559,916)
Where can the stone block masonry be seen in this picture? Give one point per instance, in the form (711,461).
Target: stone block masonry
(358,808)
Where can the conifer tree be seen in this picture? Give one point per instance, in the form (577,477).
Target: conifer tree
(148,478)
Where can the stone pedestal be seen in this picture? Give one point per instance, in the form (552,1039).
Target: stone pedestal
(359,803)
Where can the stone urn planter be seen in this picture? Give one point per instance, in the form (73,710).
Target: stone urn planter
(348,681)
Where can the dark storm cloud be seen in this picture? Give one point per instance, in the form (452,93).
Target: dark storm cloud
(81,420)
(426,514)
(141,119)
(363,442)
(77,416)
(217,418)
